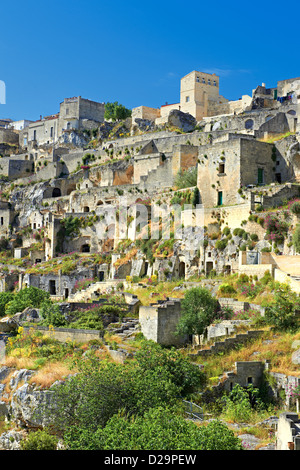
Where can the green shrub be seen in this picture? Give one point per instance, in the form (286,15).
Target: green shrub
(296,238)
(221,244)
(295,208)
(226,289)
(39,440)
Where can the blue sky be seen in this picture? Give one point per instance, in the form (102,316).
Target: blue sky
(136,52)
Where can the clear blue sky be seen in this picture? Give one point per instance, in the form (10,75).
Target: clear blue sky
(136,52)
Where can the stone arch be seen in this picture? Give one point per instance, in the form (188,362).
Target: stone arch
(99,203)
(181,270)
(86,209)
(85,248)
(249,124)
(56,192)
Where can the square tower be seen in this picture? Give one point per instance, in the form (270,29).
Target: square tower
(196,90)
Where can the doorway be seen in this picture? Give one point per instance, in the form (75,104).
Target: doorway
(52,287)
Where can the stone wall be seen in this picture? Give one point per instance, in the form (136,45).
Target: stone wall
(158,322)
(8,136)
(68,334)
(14,168)
(288,432)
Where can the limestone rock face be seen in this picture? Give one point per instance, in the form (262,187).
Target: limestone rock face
(25,401)
(296,357)
(8,325)
(183,121)
(11,440)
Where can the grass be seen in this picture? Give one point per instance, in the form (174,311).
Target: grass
(270,346)
(276,137)
(50,373)
(161,290)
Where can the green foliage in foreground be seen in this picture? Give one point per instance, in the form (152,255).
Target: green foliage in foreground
(158,429)
(39,440)
(11,303)
(157,377)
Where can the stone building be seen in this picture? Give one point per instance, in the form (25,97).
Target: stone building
(75,113)
(226,167)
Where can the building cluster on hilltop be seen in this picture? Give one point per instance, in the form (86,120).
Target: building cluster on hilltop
(242,156)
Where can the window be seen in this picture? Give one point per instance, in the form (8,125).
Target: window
(67,110)
(197,79)
(260,176)
(52,287)
(208,81)
(1,220)
(220,198)
(25,141)
(203,80)
(34,135)
(187,99)
(215,83)
(51,132)
(222,168)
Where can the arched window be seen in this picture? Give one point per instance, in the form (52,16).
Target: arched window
(249,124)
(85,248)
(56,192)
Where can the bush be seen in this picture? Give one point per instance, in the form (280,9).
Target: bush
(28,297)
(39,440)
(52,315)
(281,313)
(296,238)
(295,208)
(226,289)
(159,429)
(221,244)
(199,308)
(5,297)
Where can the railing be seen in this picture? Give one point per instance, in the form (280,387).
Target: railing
(192,410)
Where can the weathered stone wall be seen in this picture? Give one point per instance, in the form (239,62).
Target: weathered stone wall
(69,334)
(8,136)
(14,169)
(158,322)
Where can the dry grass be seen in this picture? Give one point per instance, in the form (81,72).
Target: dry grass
(274,348)
(276,137)
(50,373)
(19,362)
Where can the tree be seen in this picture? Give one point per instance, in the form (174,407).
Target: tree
(186,179)
(196,197)
(185,375)
(116,111)
(199,309)
(282,312)
(92,396)
(158,429)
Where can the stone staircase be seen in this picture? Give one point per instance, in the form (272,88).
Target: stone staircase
(86,294)
(227,344)
(127,328)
